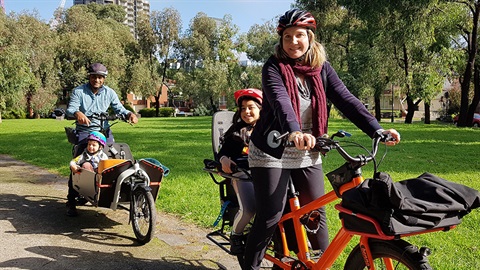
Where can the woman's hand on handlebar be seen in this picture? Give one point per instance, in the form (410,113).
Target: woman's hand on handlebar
(395,136)
(302,141)
(82,118)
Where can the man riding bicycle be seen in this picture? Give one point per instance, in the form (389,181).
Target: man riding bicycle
(92,98)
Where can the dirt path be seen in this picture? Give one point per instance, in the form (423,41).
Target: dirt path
(36,234)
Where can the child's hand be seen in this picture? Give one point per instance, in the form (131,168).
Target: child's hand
(226,164)
(75,169)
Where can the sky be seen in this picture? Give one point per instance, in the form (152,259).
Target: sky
(245,13)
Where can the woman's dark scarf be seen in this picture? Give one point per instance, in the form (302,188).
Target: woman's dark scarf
(319,104)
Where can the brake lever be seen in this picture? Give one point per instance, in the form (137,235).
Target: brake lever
(387,138)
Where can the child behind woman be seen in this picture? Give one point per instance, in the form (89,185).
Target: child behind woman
(234,151)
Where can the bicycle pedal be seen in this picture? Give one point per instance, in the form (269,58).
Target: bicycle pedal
(287,259)
(315,255)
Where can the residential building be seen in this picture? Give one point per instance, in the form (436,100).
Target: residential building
(399,107)
(139,102)
(133,8)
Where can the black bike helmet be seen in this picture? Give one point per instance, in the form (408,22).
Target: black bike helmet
(97,69)
(296,17)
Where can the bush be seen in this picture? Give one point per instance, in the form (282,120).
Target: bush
(454,99)
(202,110)
(14,114)
(166,111)
(147,112)
(163,112)
(388,114)
(335,114)
(129,107)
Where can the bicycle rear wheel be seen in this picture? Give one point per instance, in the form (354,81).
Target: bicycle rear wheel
(143,214)
(402,254)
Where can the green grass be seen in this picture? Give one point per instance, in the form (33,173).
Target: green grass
(182,143)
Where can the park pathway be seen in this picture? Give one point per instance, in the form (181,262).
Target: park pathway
(35,233)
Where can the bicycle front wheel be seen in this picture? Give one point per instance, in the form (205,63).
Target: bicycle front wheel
(143,214)
(394,254)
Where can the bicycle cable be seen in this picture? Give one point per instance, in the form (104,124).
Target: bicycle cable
(355,144)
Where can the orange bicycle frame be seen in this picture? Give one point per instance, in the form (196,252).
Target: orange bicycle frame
(341,239)
(335,248)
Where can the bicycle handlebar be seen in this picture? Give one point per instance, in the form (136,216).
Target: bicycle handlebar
(105,116)
(102,117)
(214,166)
(325,144)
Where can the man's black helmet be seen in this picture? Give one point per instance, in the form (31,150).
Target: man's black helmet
(97,69)
(296,17)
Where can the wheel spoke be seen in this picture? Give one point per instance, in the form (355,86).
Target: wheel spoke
(389,255)
(143,215)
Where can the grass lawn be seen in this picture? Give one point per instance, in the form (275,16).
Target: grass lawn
(181,144)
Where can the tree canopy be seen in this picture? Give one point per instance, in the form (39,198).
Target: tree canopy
(412,46)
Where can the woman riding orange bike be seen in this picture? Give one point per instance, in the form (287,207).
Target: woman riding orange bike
(295,101)
(378,210)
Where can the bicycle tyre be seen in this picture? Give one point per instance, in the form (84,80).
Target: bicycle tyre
(403,254)
(143,214)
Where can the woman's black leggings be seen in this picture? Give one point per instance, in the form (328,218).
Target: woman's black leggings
(270,195)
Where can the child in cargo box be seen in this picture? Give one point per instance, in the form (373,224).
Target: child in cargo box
(91,156)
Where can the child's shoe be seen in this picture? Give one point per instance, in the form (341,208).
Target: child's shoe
(71,209)
(236,244)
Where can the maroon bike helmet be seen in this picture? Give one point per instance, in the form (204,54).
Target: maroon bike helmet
(296,17)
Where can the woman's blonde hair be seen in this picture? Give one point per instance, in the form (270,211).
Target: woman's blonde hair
(314,57)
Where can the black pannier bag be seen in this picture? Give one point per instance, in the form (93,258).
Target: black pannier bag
(407,206)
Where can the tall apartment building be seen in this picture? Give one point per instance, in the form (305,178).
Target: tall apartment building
(133,8)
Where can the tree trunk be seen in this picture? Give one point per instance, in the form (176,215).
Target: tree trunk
(410,103)
(157,105)
(427,113)
(476,95)
(164,75)
(467,76)
(410,110)
(29,106)
(378,111)
(212,103)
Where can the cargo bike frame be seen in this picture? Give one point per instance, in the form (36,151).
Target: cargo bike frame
(122,182)
(376,248)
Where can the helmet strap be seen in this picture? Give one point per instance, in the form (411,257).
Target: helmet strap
(301,58)
(100,148)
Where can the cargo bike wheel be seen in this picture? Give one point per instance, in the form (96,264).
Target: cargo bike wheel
(393,254)
(143,214)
